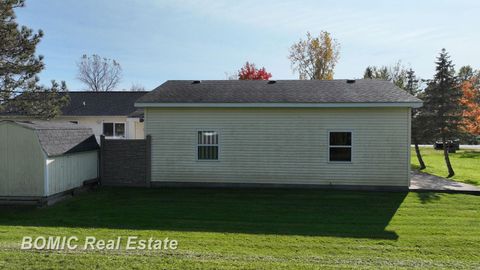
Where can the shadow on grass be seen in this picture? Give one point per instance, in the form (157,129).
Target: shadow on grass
(428,197)
(253,211)
(470,154)
(472,182)
(415,167)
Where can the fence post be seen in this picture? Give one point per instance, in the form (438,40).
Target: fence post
(148,160)
(102,158)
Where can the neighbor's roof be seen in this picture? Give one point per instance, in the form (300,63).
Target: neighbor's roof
(89,103)
(58,138)
(277,92)
(112,103)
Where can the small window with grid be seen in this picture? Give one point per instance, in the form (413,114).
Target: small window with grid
(207,146)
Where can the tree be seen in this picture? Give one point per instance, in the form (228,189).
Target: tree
(465,73)
(19,67)
(99,74)
(42,101)
(442,104)
(250,72)
(471,102)
(231,76)
(378,73)
(137,87)
(412,86)
(396,73)
(315,58)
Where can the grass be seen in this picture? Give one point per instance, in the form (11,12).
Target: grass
(253,229)
(466,164)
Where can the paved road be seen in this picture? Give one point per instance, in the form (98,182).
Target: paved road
(462,146)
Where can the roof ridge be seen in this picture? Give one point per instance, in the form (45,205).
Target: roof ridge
(338,91)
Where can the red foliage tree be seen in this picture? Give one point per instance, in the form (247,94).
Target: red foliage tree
(471,114)
(250,72)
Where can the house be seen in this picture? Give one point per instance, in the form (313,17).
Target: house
(40,159)
(111,113)
(340,133)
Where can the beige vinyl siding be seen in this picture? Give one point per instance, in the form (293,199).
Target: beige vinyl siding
(139,130)
(21,162)
(69,171)
(282,146)
(133,126)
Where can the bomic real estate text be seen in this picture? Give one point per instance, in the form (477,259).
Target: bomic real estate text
(92,243)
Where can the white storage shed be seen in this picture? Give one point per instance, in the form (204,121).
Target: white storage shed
(41,159)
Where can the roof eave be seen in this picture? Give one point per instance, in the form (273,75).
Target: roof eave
(283,105)
(92,115)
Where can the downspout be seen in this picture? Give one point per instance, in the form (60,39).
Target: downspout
(46,176)
(409,143)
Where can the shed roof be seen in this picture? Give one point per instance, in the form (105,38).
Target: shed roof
(58,138)
(275,92)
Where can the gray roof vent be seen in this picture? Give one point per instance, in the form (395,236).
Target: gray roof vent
(271,82)
(350,81)
(196,82)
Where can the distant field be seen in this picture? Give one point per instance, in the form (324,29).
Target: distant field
(254,229)
(466,164)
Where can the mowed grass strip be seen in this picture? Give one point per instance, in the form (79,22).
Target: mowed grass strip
(466,164)
(253,229)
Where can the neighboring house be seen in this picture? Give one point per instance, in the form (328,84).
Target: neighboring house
(340,133)
(109,113)
(41,159)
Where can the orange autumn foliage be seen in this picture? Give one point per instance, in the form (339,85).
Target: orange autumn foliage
(471,114)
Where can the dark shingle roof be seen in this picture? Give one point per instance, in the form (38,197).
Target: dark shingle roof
(58,138)
(88,103)
(282,91)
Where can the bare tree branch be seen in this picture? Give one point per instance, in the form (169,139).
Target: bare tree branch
(99,74)
(137,87)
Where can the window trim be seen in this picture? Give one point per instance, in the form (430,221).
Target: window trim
(114,123)
(218,144)
(351,146)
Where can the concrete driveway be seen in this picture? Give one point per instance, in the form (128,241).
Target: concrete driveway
(427,182)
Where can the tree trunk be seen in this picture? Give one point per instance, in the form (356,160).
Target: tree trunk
(447,158)
(419,156)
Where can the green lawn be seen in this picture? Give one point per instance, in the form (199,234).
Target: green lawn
(466,164)
(254,229)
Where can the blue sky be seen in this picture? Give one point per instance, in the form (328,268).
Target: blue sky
(155,41)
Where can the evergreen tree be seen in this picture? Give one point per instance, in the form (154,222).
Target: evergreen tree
(469,75)
(442,104)
(19,67)
(412,86)
(396,74)
(369,73)
(465,73)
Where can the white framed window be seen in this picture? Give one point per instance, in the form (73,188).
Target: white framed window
(207,145)
(114,130)
(340,146)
